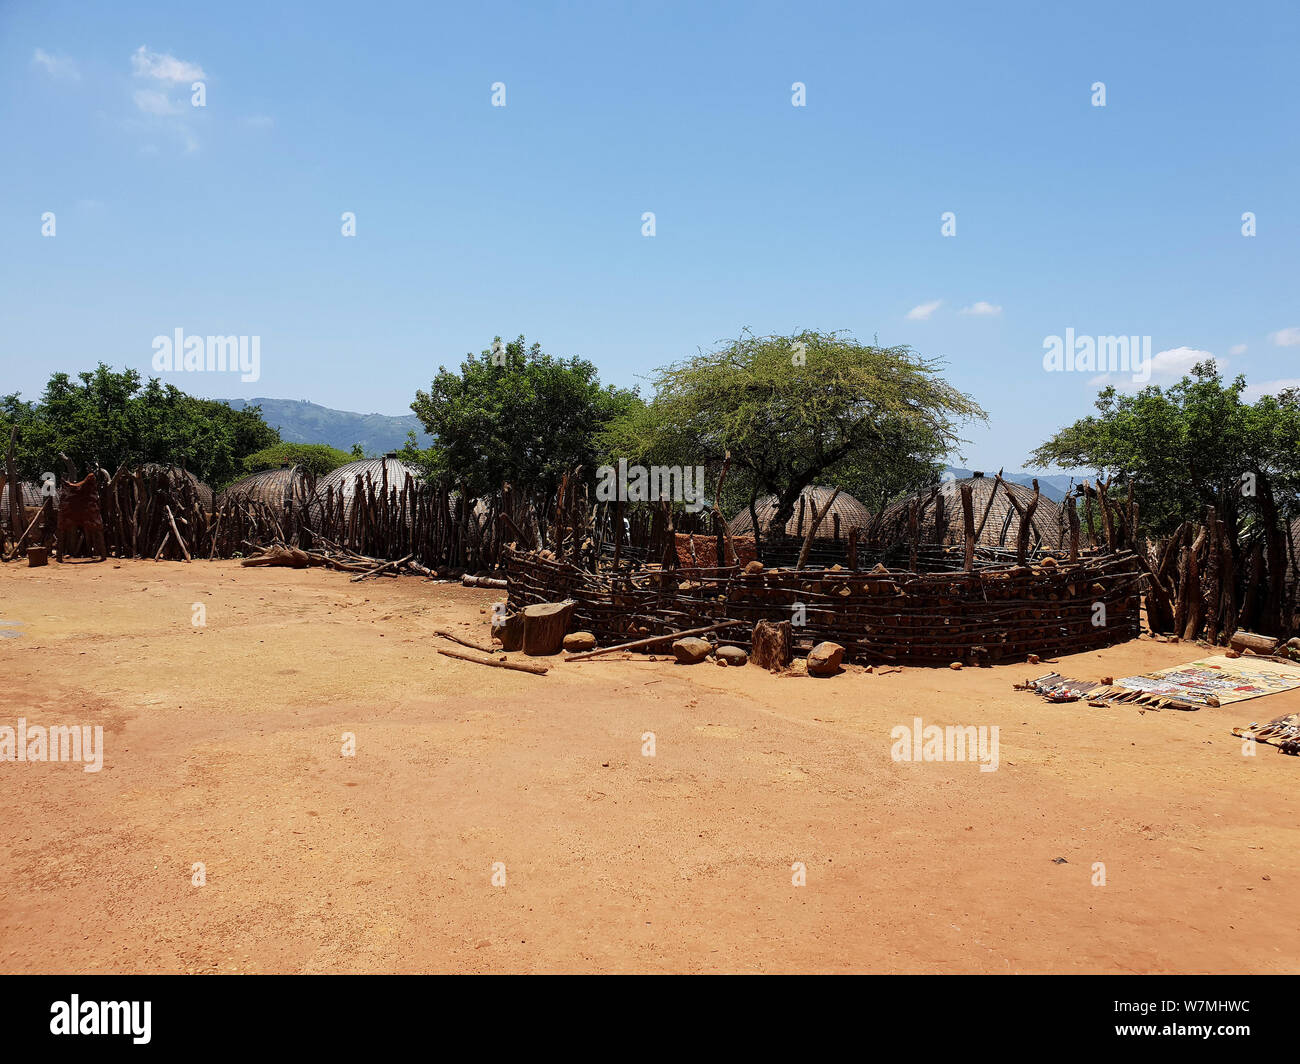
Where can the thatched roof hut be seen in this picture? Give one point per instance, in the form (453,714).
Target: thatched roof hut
(30,495)
(276,488)
(203,492)
(371,470)
(942,523)
(851,514)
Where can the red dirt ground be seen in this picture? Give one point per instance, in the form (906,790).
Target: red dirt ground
(224,747)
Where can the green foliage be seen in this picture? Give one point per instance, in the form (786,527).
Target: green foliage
(797,410)
(314,458)
(526,421)
(110,419)
(1187,446)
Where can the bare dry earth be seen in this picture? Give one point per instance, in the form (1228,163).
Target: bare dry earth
(224,747)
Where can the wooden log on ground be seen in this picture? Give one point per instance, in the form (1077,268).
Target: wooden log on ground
(1260,644)
(651,641)
(482,581)
(383,568)
(773,647)
(545,625)
(518,666)
(463,641)
(291,559)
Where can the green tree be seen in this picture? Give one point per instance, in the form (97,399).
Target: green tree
(1194,444)
(518,416)
(798,410)
(314,458)
(108,418)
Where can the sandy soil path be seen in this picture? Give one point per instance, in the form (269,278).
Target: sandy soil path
(223,746)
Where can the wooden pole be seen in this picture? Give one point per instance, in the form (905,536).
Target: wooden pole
(650,641)
(968,525)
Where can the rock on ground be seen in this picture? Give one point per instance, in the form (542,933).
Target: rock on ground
(579,641)
(824,659)
(691,651)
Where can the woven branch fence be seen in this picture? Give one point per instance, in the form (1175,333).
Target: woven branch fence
(994,613)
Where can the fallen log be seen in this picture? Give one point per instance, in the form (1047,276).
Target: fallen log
(381,568)
(482,581)
(518,666)
(290,559)
(1258,644)
(651,640)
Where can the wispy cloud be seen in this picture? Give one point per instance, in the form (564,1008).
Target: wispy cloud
(165,67)
(982,310)
(1254,391)
(923,311)
(57,66)
(1237,350)
(162,111)
(153,102)
(259,121)
(1289,337)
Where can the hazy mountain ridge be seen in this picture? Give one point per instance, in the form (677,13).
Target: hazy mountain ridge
(1053,486)
(300,421)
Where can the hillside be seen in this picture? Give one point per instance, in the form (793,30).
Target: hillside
(302,422)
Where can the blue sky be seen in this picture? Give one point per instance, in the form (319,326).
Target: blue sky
(474,220)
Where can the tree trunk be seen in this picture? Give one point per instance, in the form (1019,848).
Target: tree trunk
(772,645)
(545,626)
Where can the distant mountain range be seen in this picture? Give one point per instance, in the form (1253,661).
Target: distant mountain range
(302,422)
(1053,487)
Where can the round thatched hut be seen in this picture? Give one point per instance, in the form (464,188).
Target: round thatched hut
(201,490)
(30,496)
(997,522)
(388,471)
(850,512)
(276,488)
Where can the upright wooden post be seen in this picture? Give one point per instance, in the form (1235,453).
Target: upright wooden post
(968,525)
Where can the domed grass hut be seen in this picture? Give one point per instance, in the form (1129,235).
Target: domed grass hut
(845,513)
(30,497)
(997,520)
(280,489)
(203,493)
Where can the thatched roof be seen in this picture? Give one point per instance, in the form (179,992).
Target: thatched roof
(31,495)
(373,470)
(1001,526)
(203,492)
(276,488)
(851,514)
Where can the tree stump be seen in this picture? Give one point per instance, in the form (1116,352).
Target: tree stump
(510,630)
(545,625)
(772,645)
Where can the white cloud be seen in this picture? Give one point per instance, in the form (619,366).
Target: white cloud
(164,67)
(1237,350)
(153,102)
(1167,366)
(923,311)
(1289,337)
(1254,391)
(982,309)
(57,66)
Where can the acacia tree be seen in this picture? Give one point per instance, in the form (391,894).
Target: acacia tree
(796,410)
